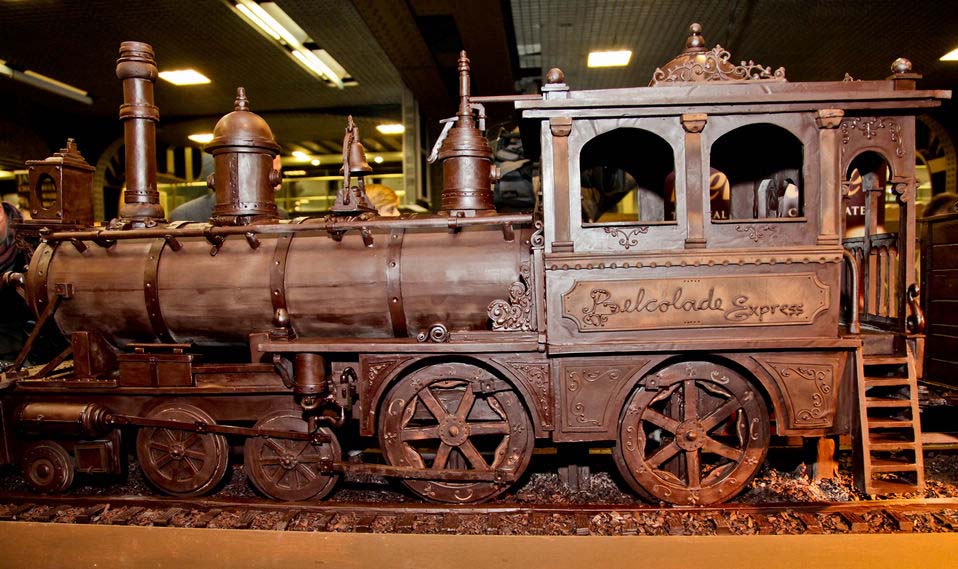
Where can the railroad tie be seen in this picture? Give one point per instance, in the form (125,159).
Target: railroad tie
(405,523)
(287,519)
(901,520)
(205,519)
(811,523)
(721,524)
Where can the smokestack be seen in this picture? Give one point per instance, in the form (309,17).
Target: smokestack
(136,67)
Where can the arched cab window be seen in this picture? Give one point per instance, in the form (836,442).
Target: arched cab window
(623,179)
(756,173)
(867,177)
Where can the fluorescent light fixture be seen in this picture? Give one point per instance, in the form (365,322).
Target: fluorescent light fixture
(378,159)
(202,138)
(294,172)
(46,83)
(314,162)
(184,77)
(610,58)
(301,156)
(392,128)
(950,56)
(271,20)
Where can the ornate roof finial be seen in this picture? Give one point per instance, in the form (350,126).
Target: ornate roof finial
(695,42)
(901,65)
(555,76)
(697,63)
(241,103)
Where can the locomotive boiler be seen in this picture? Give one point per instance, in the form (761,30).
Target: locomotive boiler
(685,327)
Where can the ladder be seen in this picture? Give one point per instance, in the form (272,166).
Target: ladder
(889,432)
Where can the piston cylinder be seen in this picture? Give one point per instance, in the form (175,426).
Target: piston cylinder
(309,374)
(66,419)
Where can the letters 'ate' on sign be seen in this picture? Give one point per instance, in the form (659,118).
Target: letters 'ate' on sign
(747,300)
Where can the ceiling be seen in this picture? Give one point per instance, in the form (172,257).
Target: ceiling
(390,45)
(815,40)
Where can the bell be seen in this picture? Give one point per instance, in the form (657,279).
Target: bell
(355,154)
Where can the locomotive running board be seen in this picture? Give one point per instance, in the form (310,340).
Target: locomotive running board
(446,475)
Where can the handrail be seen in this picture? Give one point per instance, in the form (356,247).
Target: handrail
(211,231)
(854,326)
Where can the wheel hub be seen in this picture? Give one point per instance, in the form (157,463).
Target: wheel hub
(177,451)
(690,435)
(453,431)
(288,461)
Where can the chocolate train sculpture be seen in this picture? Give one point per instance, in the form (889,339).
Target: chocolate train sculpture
(723,306)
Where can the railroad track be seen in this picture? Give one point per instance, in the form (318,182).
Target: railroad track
(888,516)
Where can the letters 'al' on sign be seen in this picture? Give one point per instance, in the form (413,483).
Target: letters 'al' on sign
(743,300)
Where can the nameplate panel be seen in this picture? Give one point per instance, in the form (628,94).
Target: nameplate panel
(650,304)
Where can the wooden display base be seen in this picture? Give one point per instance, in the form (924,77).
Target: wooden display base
(35,545)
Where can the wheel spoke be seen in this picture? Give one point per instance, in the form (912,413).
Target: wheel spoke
(472,455)
(722,413)
(489,428)
(723,450)
(693,465)
(159,446)
(190,464)
(195,454)
(162,461)
(465,405)
(270,461)
(660,420)
(419,433)
(190,440)
(663,454)
(690,396)
(169,435)
(274,444)
(306,472)
(429,400)
(442,455)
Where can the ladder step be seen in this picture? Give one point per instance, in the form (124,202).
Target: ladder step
(884,360)
(891,487)
(886,381)
(886,402)
(894,467)
(891,424)
(899,445)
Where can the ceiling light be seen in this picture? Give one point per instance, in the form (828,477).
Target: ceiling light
(314,162)
(294,172)
(184,77)
(301,156)
(46,83)
(202,138)
(271,20)
(393,128)
(378,159)
(610,58)
(950,56)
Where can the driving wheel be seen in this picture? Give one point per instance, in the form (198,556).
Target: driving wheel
(180,462)
(455,416)
(695,433)
(47,466)
(287,469)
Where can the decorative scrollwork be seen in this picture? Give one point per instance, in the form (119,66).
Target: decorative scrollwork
(713,65)
(822,377)
(869,127)
(514,314)
(437,334)
(538,239)
(755,232)
(537,377)
(627,238)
